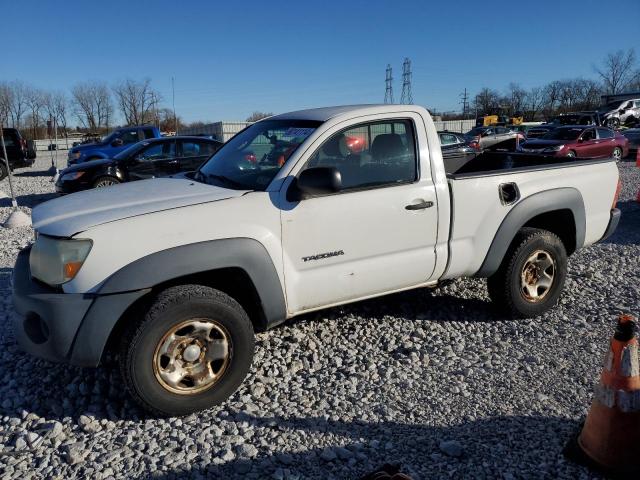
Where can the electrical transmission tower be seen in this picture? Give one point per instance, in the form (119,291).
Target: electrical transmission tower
(388,92)
(464,100)
(407,96)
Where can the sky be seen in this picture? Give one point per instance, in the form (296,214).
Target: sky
(230,58)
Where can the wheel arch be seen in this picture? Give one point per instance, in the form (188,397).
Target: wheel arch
(560,211)
(241,268)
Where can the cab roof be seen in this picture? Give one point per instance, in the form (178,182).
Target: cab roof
(325,113)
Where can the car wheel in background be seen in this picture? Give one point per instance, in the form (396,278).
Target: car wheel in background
(617,153)
(613,122)
(532,274)
(105,182)
(190,351)
(571,153)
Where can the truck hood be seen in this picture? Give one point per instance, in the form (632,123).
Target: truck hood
(66,216)
(86,146)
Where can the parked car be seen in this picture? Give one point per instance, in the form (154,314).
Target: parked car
(20,153)
(633,135)
(112,144)
(626,112)
(147,159)
(178,273)
(575,118)
(580,141)
(456,150)
(490,136)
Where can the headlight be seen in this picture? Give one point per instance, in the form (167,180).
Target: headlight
(56,261)
(557,148)
(71,176)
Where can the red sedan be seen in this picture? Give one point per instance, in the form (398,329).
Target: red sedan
(580,141)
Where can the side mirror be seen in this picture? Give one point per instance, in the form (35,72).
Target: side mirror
(117,142)
(580,140)
(316,181)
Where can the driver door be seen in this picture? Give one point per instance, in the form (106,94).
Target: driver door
(157,160)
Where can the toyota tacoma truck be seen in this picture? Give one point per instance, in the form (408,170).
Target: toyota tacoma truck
(293,215)
(112,144)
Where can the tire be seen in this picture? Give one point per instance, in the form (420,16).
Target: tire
(617,153)
(571,153)
(613,122)
(507,286)
(3,169)
(147,372)
(102,182)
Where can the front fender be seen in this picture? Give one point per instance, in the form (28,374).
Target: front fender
(136,279)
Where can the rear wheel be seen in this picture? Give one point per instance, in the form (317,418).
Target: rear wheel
(617,153)
(191,351)
(105,182)
(532,275)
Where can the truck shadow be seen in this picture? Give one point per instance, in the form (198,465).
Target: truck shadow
(497,447)
(30,200)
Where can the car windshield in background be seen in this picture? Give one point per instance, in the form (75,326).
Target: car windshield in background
(564,134)
(251,159)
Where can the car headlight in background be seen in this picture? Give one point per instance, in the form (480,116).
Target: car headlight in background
(70,176)
(556,148)
(55,261)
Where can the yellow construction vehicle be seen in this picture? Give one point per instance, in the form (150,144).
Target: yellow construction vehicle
(498,118)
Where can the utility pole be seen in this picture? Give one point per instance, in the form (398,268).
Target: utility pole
(388,92)
(465,103)
(407,96)
(173,97)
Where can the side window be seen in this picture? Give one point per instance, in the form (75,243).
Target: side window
(501,130)
(8,140)
(371,154)
(208,148)
(157,151)
(589,135)
(448,139)
(148,133)
(605,133)
(130,137)
(191,149)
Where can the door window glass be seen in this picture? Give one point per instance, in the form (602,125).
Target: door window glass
(129,137)
(589,135)
(448,139)
(605,133)
(372,154)
(148,133)
(158,151)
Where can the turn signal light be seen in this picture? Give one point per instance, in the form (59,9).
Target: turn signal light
(71,269)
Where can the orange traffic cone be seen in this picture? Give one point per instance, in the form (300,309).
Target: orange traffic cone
(610,438)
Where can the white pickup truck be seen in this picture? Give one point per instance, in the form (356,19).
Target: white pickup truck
(298,212)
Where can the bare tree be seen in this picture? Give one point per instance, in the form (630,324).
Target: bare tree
(55,105)
(255,116)
(486,101)
(5,101)
(533,102)
(92,104)
(515,97)
(618,71)
(137,101)
(17,102)
(34,99)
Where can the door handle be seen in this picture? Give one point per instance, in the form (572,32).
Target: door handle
(419,206)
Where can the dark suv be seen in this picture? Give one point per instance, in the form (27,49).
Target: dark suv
(20,154)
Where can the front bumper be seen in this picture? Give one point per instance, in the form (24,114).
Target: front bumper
(63,327)
(614,219)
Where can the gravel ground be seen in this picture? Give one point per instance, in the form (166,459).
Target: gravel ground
(433,380)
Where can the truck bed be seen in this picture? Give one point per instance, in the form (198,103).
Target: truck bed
(477,210)
(495,163)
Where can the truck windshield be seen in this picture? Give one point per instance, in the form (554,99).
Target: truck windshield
(251,159)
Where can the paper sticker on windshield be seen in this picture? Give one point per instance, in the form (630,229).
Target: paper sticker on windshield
(298,132)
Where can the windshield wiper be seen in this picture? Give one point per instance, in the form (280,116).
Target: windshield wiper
(227,180)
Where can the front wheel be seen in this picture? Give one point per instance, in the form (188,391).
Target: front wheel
(571,154)
(532,274)
(191,351)
(105,182)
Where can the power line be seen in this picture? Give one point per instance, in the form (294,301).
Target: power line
(407,96)
(388,92)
